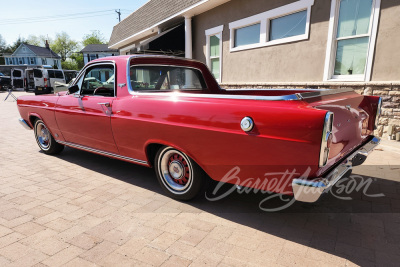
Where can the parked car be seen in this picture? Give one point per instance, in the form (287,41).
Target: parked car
(5,82)
(170,113)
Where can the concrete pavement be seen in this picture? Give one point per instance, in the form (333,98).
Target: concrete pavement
(81,209)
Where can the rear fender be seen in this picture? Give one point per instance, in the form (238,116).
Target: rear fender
(166,143)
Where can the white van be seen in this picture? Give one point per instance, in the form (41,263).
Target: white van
(44,80)
(17,78)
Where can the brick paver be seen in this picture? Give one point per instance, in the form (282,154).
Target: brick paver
(81,209)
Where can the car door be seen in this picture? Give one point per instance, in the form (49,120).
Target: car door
(38,78)
(84,118)
(17,78)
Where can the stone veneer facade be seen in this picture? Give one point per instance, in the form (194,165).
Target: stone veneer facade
(388,91)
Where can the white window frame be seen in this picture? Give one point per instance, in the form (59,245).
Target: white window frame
(332,45)
(209,33)
(264,20)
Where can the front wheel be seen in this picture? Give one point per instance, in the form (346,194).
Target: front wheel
(179,176)
(45,140)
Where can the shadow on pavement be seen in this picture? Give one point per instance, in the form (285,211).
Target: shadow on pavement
(365,230)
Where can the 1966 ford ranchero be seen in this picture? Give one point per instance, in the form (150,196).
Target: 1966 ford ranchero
(170,113)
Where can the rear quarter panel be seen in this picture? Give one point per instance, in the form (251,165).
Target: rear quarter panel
(41,106)
(286,136)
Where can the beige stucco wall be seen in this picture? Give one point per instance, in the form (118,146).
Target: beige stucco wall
(301,61)
(387,52)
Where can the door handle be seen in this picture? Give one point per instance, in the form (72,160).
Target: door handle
(106,104)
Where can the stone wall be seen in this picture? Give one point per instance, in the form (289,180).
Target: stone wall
(389,91)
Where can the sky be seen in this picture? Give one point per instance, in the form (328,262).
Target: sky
(48,17)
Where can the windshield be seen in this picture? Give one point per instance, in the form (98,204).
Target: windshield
(165,78)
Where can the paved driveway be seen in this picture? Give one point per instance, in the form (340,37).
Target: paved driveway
(81,209)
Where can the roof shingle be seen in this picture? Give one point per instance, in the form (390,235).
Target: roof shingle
(146,16)
(97,48)
(42,51)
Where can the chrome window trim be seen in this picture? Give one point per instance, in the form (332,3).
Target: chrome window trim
(128,76)
(107,62)
(108,154)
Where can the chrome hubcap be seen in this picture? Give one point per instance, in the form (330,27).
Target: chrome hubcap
(43,136)
(175,170)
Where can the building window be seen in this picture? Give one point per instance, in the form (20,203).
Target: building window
(288,26)
(44,61)
(247,35)
(351,40)
(214,51)
(92,57)
(284,24)
(32,61)
(20,61)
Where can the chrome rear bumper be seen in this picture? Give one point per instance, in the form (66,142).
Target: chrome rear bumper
(24,124)
(311,190)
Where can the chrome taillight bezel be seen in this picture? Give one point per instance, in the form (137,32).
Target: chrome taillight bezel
(327,131)
(378,112)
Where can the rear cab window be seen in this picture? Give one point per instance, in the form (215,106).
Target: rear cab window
(160,78)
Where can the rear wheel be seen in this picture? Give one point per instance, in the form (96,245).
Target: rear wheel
(179,176)
(45,140)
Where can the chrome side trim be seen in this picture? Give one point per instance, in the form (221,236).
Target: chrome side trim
(24,124)
(108,154)
(275,89)
(310,190)
(323,93)
(378,112)
(217,96)
(327,131)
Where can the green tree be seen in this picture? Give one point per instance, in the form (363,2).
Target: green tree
(38,40)
(96,37)
(78,58)
(63,45)
(69,64)
(3,47)
(15,45)
(3,44)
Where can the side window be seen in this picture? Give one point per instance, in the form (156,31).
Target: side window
(37,73)
(166,78)
(58,74)
(98,80)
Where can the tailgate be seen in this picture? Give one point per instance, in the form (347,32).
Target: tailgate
(353,121)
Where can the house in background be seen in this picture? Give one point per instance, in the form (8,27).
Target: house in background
(281,43)
(27,54)
(94,51)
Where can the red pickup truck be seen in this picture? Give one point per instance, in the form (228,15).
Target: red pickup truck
(170,113)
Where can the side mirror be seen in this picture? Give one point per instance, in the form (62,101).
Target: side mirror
(73,89)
